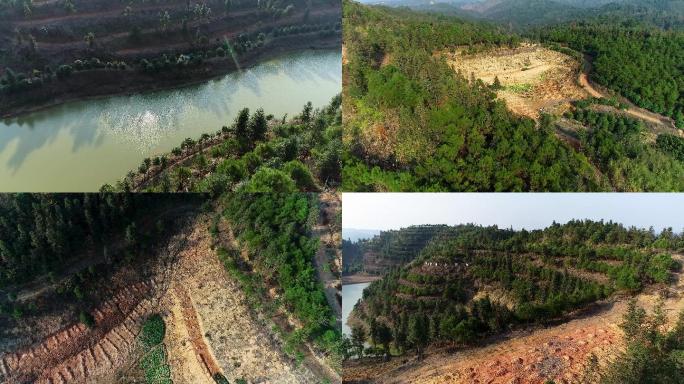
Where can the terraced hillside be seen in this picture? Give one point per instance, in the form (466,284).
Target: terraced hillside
(388,249)
(50,51)
(176,302)
(486,285)
(80,323)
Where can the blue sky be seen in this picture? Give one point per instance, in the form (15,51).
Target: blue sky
(519,210)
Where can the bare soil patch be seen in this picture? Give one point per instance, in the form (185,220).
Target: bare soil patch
(76,353)
(359,278)
(210,326)
(534,78)
(224,333)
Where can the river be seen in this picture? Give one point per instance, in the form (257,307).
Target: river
(79,146)
(351,294)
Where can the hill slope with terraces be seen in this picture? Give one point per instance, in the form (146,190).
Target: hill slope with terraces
(484,303)
(437,103)
(49,51)
(169,288)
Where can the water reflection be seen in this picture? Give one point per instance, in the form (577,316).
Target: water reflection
(92,142)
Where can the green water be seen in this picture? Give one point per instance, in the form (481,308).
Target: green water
(351,294)
(80,146)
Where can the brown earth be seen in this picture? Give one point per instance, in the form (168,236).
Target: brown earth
(223,333)
(560,353)
(74,353)
(80,354)
(211,328)
(534,78)
(359,278)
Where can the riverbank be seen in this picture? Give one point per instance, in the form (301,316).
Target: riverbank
(359,278)
(81,145)
(101,83)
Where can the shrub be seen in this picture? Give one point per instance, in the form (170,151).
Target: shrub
(86,319)
(300,174)
(271,180)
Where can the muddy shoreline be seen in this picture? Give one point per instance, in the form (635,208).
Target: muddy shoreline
(81,87)
(359,278)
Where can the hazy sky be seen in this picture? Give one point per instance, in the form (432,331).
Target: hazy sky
(519,210)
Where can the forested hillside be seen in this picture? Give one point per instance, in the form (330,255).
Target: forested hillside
(481,281)
(257,151)
(276,231)
(388,249)
(413,124)
(642,64)
(523,14)
(42,235)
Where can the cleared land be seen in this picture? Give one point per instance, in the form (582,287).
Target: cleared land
(224,334)
(536,80)
(533,78)
(211,328)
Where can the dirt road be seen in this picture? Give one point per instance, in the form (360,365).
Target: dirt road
(632,110)
(559,353)
(328,250)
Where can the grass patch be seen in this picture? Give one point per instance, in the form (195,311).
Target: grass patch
(153,331)
(519,88)
(154,362)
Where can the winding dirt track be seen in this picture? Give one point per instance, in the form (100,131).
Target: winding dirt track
(202,351)
(330,205)
(632,109)
(559,353)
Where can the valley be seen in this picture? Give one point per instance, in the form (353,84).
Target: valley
(433,102)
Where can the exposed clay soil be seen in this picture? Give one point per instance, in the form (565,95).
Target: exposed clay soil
(534,78)
(560,353)
(215,330)
(77,354)
(210,326)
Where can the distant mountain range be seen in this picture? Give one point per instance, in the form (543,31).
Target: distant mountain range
(355,234)
(530,13)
